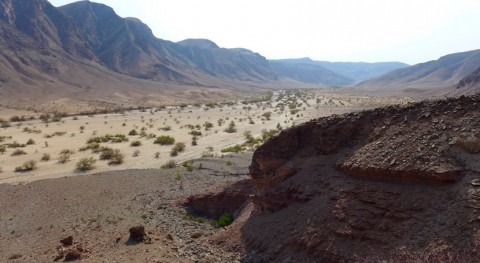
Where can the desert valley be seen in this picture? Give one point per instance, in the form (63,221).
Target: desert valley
(118,146)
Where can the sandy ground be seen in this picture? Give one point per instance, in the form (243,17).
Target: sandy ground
(98,210)
(72,133)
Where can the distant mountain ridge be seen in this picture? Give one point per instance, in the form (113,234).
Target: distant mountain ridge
(351,72)
(443,73)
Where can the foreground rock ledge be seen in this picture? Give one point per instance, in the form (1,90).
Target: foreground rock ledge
(381,180)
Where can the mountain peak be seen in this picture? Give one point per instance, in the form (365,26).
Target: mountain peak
(198,42)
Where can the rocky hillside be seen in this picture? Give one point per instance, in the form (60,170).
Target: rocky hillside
(445,72)
(470,83)
(399,183)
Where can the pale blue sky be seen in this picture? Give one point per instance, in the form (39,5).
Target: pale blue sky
(410,31)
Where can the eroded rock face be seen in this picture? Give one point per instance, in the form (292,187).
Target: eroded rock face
(217,202)
(384,179)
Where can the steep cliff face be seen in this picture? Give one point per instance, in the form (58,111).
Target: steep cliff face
(338,188)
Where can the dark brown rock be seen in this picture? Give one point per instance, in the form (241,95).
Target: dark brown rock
(137,233)
(68,241)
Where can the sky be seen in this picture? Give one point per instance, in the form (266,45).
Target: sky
(410,31)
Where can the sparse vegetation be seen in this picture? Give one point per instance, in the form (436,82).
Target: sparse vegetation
(169,165)
(117,138)
(18,152)
(224,220)
(45,157)
(179,147)
(136,143)
(164,140)
(231,128)
(26,166)
(234,149)
(86,164)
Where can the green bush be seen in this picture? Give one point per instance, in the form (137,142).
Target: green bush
(169,165)
(136,143)
(224,220)
(179,147)
(234,149)
(164,140)
(117,157)
(86,164)
(133,132)
(196,133)
(231,128)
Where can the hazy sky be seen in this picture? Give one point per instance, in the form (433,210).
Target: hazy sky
(410,31)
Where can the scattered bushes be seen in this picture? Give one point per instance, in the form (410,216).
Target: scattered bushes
(117,138)
(86,164)
(26,166)
(164,140)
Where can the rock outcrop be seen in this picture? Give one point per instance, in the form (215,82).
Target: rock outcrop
(399,178)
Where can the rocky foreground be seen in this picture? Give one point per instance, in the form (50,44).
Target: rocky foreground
(399,183)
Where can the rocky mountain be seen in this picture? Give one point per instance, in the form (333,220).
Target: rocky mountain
(445,72)
(393,184)
(344,73)
(309,73)
(470,83)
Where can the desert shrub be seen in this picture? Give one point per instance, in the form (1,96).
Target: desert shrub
(164,140)
(235,149)
(136,153)
(179,147)
(267,115)
(30,142)
(207,154)
(224,220)
(208,125)
(166,128)
(3,149)
(16,145)
(18,152)
(117,138)
(16,118)
(65,156)
(231,128)
(196,133)
(26,166)
(117,157)
(106,153)
(45,157)
(133,132)
(169,165)
(157,155)
(86,164)
(136,143)
(194,141)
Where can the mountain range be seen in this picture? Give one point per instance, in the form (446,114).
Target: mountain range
(84,51)
(430,77)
